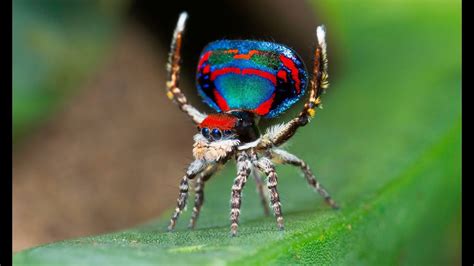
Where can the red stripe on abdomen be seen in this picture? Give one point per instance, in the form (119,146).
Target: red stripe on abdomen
(223,71)
(221,102)
(264,108)
(261,73)
(203,59)
(287,62)
(245,71)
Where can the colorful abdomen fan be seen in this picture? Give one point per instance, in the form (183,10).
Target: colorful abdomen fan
(261,77)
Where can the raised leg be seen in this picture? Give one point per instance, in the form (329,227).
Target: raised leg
(173,67)
(288,158)
(261,192)
(194,169)
(265,165)
(319,82)
(199,196)
(243,171)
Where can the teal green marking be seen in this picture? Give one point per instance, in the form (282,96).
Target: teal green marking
(266,60)
(248,92)
(219,57)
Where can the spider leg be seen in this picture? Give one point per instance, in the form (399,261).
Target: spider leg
(265,165)
(259,182)
(243,171)
(318,83)
(199,190)
(173,67)
(194,169)
(288,158)
(261,192)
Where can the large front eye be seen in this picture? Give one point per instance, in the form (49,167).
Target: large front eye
(216,134)
(205,132)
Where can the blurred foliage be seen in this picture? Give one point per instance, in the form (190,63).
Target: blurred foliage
(55,45)
(387,146)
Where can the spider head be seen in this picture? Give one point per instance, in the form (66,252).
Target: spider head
(239,125)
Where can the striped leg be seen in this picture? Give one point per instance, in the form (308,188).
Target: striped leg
(261,192)
(289,158)
(174,60)
(194,169)
(265,165)
(259,183)
(243,171)
(199,197)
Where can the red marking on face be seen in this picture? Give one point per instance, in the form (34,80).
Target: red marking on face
(220,121)
(203,59)
(246,71)
(221,102)
(264,108)
(294,71)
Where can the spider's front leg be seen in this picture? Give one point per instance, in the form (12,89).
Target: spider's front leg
(199,192)
(194,169)
(173,67)
(288,158)
(243,170)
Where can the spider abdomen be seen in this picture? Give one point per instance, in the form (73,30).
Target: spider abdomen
(264,78)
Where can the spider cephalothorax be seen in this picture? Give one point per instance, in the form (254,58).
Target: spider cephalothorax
(243,81)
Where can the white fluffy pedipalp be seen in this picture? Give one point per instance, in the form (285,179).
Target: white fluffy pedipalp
(212,150)
(249,145)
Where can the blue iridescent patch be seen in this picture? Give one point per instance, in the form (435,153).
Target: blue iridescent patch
(262,77)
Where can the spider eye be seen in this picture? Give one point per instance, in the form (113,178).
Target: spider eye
(216,134)
(205,132)
(227,133)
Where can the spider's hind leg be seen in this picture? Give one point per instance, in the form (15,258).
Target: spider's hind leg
(288,158)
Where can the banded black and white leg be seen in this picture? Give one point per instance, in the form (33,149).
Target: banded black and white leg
(244,167)
(261,192)
(288,158)
(265,165)
(194,169)
(259,183)
(199,192)
(174,67)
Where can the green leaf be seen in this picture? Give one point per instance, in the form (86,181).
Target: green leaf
(387,146)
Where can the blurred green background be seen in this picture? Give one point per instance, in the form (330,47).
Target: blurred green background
(54,46)
(93,129)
